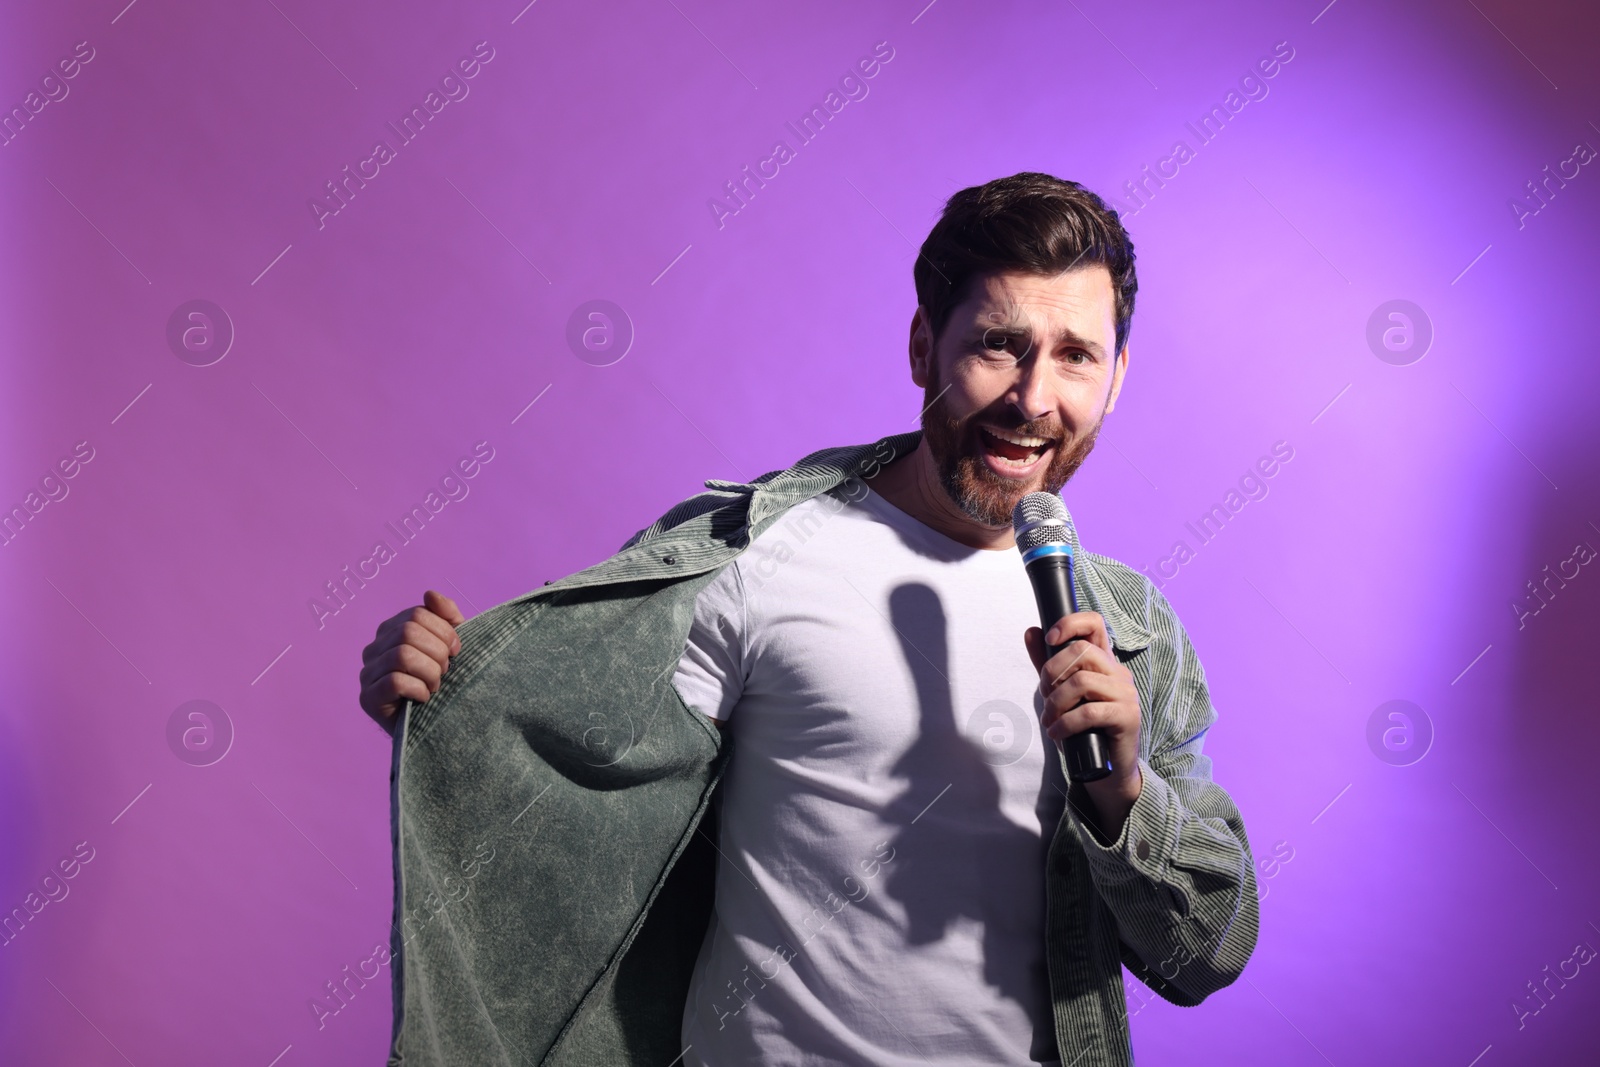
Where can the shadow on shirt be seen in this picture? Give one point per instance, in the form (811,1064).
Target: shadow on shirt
(955,853)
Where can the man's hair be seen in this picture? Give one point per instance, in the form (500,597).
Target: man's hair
(1029,222)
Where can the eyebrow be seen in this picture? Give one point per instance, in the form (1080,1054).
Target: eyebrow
(1020,330)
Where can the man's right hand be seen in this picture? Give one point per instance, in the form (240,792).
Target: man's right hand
(408,657)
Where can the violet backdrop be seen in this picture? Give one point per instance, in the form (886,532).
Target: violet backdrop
(1431,883)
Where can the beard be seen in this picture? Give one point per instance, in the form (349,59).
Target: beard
(957,451)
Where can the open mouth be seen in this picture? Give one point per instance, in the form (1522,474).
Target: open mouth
(1013,451)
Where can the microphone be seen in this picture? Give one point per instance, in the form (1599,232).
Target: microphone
(1040,523)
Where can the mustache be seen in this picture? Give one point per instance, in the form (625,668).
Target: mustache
(1046,426)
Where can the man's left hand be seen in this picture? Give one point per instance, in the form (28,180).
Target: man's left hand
(1086,687)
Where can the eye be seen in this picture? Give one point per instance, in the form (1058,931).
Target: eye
(1077,358)
(996,347)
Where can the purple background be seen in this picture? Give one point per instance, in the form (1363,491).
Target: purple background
(1408,905)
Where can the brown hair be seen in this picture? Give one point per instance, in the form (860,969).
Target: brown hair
(1028,222)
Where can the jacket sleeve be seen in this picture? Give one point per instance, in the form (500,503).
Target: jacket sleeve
(1180,878)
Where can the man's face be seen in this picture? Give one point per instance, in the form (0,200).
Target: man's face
(1018,385)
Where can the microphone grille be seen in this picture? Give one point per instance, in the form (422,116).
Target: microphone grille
(1039,519)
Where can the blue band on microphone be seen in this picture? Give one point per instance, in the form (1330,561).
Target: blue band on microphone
(1046,550)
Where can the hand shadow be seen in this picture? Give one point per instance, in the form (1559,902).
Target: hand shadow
(953,842)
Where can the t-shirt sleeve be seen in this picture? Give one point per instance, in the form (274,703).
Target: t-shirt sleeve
(710,675)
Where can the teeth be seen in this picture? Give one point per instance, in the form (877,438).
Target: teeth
(1018,439)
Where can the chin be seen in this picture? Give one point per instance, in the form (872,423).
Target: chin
(986,497)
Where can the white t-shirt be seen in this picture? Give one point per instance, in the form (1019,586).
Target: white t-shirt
(889,801)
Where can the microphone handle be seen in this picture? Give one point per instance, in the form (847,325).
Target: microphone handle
(1088,753)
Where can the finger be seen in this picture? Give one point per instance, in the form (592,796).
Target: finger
(435,623)
(1033,640)
(1085,686)
(384,717)
(447,612)
(381,700)
(417,638)
(442,605)
(1089,625)
(388,634)
(405,659)
(1094,715)
(398,684)
(392,623)
(1077,656)
(429,643)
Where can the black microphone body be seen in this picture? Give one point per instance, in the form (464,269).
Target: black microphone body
(1048,559)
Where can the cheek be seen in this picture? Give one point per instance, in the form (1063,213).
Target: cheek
(976,384)
(1078,400)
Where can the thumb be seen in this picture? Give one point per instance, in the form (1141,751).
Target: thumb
(443,607)
(1033,638)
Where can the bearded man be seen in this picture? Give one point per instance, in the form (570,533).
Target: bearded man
(780,782)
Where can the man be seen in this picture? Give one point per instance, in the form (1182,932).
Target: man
(902,872)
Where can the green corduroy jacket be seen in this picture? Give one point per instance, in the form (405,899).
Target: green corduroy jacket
(552,821)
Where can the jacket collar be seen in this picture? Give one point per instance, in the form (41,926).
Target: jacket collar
(672,554)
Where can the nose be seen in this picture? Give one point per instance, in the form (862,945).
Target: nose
(1031,393)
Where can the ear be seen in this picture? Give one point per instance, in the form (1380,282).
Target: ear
(921,348)
(1117,372)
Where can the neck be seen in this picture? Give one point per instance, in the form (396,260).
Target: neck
(911,483)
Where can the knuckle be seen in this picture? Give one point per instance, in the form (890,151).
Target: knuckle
(413,659)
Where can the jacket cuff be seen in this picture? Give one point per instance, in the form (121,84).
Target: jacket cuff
(1145,846)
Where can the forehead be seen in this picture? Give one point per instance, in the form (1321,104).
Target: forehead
(1081,299)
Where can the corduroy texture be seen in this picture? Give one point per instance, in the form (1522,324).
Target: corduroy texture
(553,862)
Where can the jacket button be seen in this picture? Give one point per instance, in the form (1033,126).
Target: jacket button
(1143,850)
(669,560)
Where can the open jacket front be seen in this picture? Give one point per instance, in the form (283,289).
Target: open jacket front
(553,826)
